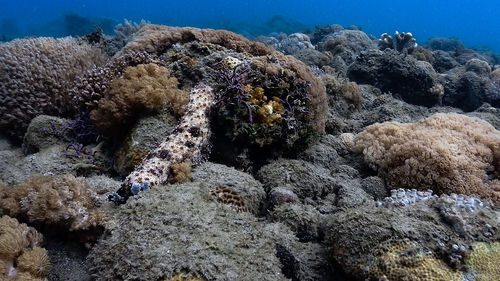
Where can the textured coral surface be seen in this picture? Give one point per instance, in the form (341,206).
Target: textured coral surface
(449,153)
(36,75)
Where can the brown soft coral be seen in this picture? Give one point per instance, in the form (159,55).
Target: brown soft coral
(143,88)
(21,258)
(63,200)
(449,153)
(35,76)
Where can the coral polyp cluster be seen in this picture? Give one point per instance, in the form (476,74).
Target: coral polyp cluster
(21,257)
(65,201)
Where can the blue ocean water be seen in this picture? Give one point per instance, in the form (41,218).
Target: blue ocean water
(476,23)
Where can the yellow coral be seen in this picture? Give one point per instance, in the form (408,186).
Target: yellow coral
(485,261)
(267,112)
(403,260)
(271,111)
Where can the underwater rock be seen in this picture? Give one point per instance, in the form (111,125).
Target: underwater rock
(305,179)
(443,61)
(356,234)
(43,132)
(213,175)
(312,57)
(293,44)
(347,44)
(324,153)
(444,44)
(321,31)
(146,133)
(54,160)
(350,194)
(398,74)
(302,219)
(464,89)
(480,67)
(375,187)
(192,231)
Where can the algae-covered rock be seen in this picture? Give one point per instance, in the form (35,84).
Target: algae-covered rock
(302,219)
(43,132)
(304,179)
(441,228)
(182,227)
(141,139)
(397,73)
(215,175)
(55,160)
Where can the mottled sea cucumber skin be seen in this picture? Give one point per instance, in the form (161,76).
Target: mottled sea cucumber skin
(185,143)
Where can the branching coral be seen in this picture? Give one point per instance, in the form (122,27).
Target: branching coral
(21,258)
(448,153)
(64,200)
(403,41)
(143,88)
(35,76)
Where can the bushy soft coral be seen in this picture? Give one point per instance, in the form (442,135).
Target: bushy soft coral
(21,257)
(143,88)
(64,200)
(448,153)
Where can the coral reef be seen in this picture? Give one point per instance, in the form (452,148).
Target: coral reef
(21,257)
(35,76)
(449,153)
(65,201)
(218,243)
(155,38)
(143,88)
(292,116)
(437,232)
